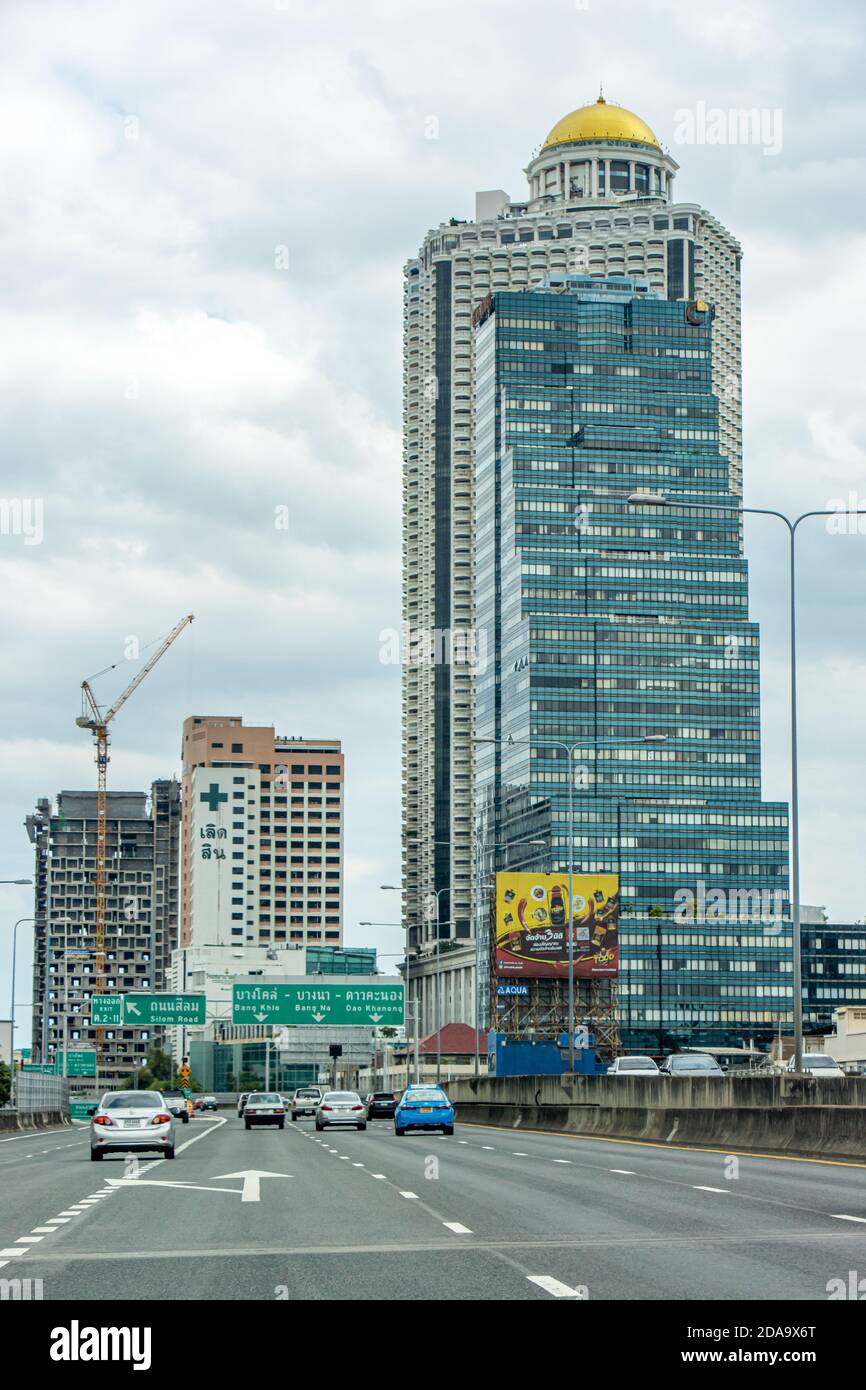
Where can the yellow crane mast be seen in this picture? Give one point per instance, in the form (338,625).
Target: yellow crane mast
(93,718)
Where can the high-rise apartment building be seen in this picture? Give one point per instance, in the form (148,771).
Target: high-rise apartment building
(600,199)
(622,656)
(141,918)
(262,855)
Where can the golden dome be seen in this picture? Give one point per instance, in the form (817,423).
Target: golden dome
(600,121)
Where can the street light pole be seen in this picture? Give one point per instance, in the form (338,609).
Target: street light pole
(656,499)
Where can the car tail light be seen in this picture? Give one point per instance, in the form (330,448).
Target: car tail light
(327,1107)
(161,1118)
(279,1111)
(442,1105)
(357,1107)
(102,1120)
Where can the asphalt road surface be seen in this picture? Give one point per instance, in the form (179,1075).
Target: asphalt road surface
(486,1214)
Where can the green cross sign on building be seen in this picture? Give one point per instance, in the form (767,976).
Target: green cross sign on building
(311,1001)
(213,796)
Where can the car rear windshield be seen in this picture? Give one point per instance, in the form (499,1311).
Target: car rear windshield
(133,1100)
(817,1062)
(342,1095)
(636,1064)
(425,1095)
(265,1098)
(307,1095)
(383,1095)
(694,1064)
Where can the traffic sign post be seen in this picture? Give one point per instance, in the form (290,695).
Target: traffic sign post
(328,1005)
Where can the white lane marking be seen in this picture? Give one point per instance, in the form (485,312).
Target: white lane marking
(518,1155)
(838,1217)
(629,1172)
(489,1147)
(699,1188)
(462,1141)
(69,1213)
(43,1230)
(345,1158)
(59,1220)
(380,1176)
(412,1196)
(11,1250)
(457,1228)
(553,1286)
(560,1160)
(29,1240)
(357,1165)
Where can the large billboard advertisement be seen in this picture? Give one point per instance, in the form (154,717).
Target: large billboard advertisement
(532,913)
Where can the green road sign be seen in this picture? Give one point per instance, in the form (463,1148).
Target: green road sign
(106,1010)
(165,1009)
(40,1068)
(82,1063)
(317,1003)
(78,1108)
(141,1010)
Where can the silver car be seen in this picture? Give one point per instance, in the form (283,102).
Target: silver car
(341,1108)
(130,1121)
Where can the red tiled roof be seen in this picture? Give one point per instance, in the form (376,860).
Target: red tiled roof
(458,1039)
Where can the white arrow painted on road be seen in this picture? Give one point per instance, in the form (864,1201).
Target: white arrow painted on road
(154,1182)
(252,1178)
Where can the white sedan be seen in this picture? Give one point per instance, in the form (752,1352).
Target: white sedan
(633,1066)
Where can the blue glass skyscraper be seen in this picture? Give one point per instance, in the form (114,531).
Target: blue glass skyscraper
(622,630)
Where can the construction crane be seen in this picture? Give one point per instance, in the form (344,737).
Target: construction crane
(93,718)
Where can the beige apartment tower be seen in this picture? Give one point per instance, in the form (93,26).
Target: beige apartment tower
(262,836)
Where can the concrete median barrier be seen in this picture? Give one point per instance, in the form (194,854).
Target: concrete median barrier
(798,1116)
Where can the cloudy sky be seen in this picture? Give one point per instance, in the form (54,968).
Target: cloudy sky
(204,211)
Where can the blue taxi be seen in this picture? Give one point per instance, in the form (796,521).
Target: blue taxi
(424,1107)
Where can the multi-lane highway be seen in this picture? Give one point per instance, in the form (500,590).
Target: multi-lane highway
(486,1214)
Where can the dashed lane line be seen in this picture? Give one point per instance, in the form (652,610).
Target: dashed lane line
(553,1286)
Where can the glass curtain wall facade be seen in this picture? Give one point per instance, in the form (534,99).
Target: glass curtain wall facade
(611,623)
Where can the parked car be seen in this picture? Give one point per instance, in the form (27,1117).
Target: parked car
(380,1104)
(633,1066)
(175,1102)
(264,1108)
(131,1121)
(424,1107)
(306,1101)
(242,1100)
(690,1064)
(341,1108)
(817,1064)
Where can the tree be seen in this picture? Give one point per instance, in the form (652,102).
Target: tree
(5,1084)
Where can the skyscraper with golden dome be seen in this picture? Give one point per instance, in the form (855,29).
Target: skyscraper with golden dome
(600,200)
